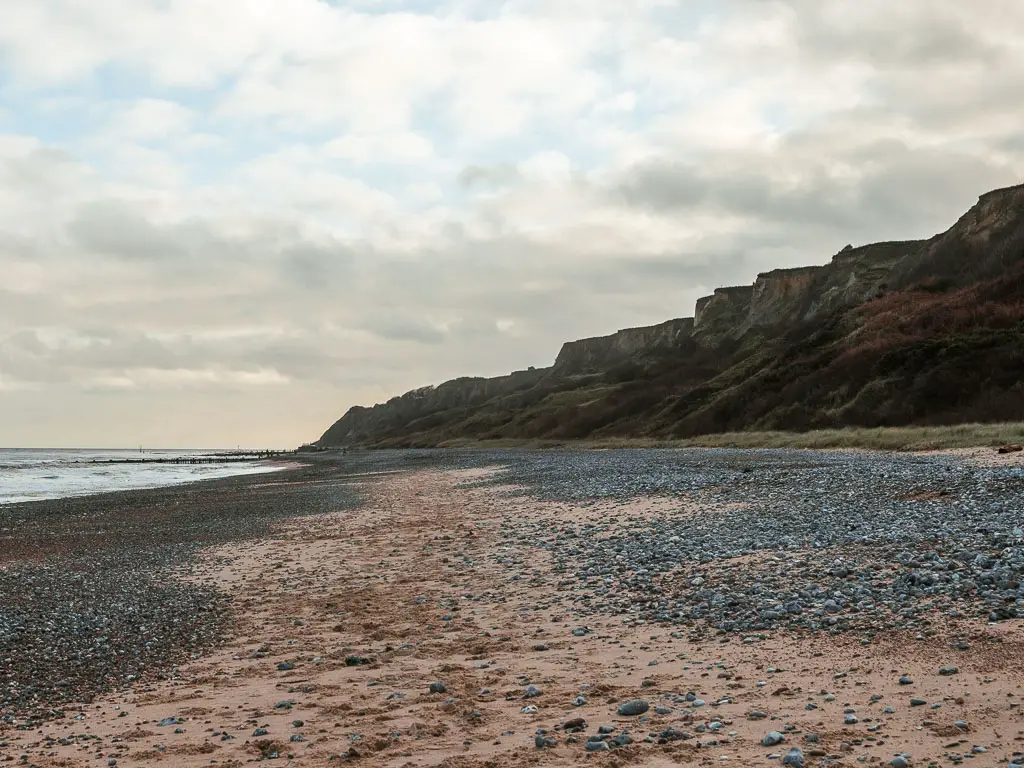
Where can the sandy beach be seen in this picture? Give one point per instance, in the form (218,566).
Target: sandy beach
(341,622)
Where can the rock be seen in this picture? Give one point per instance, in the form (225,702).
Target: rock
(899,762)
(545,742)
(438,687)
(634,707)
(576,725)
(597,746)
(1012,448)
(794,757)
(772,738)
(915,702)
(285,666)
(532,692)
(948,670)
(905,680)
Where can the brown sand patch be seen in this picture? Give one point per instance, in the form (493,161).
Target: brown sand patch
(983,457)
(923,496)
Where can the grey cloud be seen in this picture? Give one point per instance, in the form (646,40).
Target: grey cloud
(194,257)
(477,328)
(116,228)
(400,327)
(43,170)
(26,342)
(908,34)
(25,357)
(488,175)
(666,185)
(901,192)
(301,358)
(316,267)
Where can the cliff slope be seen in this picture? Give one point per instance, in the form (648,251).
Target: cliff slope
(912,332)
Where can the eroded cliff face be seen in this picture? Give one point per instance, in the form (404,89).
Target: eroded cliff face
(778,294)
(853,276)
(722,313)
(603,352)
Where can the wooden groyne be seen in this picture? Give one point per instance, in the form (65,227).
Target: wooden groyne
(209,458)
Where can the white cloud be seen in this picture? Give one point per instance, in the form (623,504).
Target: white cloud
(147,119)
(547,166)
(402,147)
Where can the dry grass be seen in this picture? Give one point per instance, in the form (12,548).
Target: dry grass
(879,439)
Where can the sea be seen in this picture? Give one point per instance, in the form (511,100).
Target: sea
(29,474)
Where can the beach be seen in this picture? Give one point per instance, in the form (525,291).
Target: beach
(479,609)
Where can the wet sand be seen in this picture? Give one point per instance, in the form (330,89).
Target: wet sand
(343,620)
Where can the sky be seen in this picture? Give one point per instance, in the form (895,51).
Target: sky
(224,223)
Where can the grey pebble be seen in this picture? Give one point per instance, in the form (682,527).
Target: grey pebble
(794,757)
(634,707)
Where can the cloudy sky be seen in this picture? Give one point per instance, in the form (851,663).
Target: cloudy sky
(225,222)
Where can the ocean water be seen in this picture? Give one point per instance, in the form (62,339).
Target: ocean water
(29,474)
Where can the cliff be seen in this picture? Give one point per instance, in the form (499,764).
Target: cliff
(722,313)
(779,295)
(983,244)
(916,331)
(603,352)
(853,276)
(421,407)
